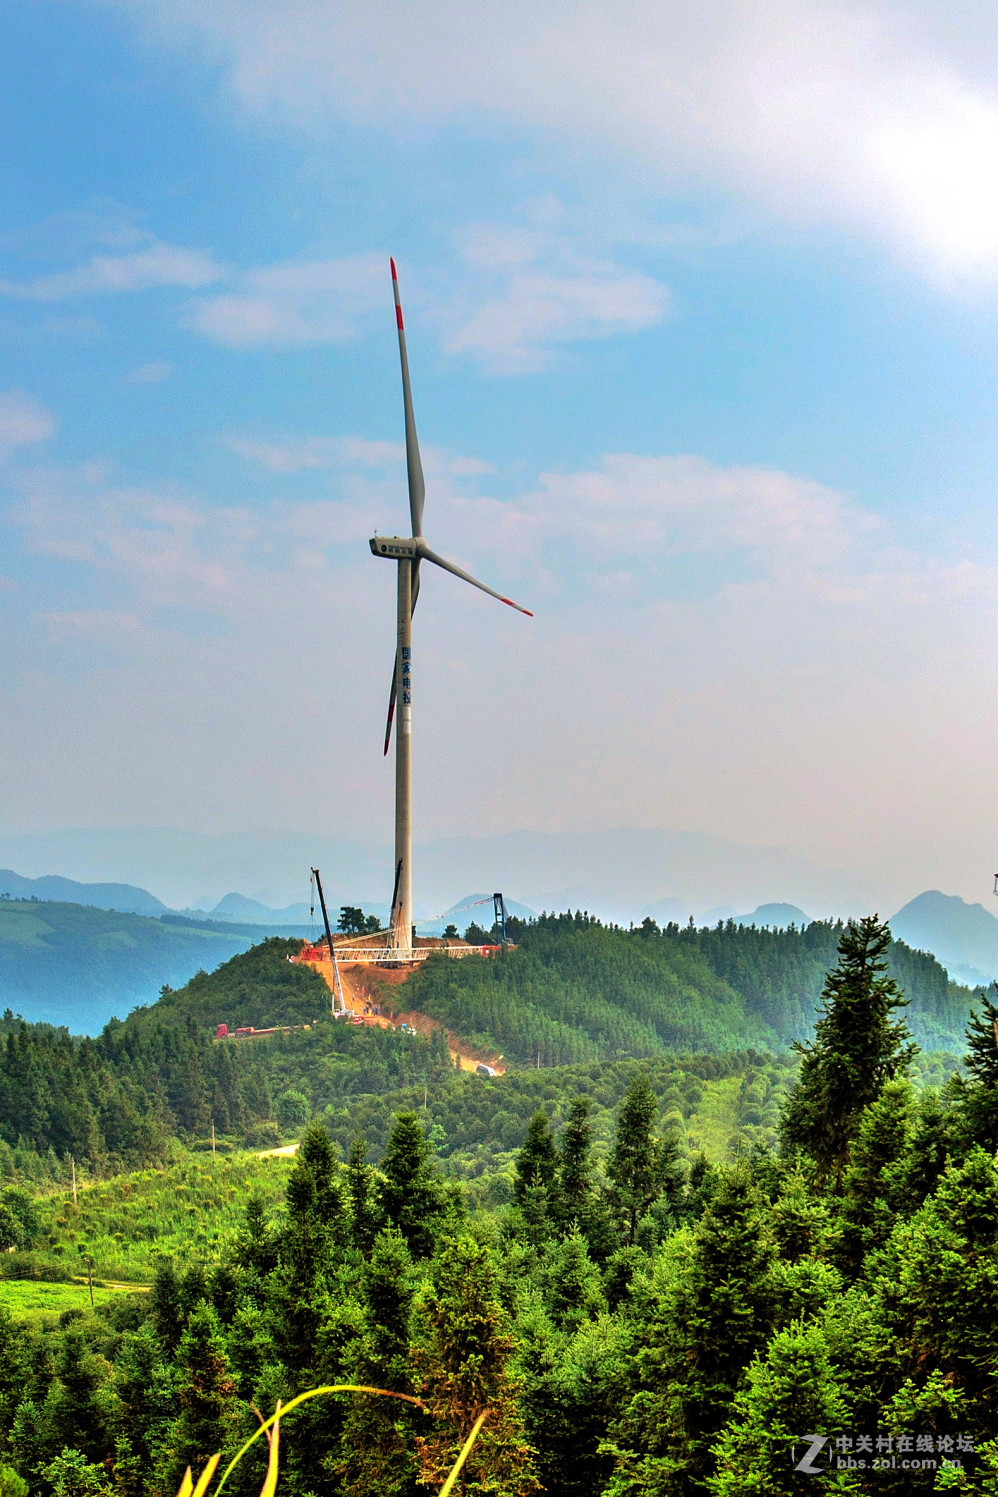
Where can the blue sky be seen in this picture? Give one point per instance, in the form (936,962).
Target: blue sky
(702,310)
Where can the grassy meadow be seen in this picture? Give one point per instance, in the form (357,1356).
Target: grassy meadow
(127,1224)
(30,1299)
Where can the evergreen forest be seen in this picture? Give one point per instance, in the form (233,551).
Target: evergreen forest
(727,1224)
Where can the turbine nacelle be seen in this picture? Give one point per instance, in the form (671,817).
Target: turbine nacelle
(395,547)
(414,548)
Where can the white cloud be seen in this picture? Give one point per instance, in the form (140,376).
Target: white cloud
(296,456)
(881,115)
(293,304)
(106,624)
(150,374)
(23,421)
(531,290)
(144,269)
(514,296)
(169,547)
(737,648)
(343,454)
(667,506)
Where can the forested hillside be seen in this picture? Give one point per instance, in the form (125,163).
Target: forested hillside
(634,1314)
(575,989)
(81,966)
(573,994)
(780,974)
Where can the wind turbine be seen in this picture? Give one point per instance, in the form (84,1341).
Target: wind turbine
(408,551)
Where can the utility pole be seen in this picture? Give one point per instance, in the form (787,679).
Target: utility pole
(90,1278)
(213,1137)
(73,1164)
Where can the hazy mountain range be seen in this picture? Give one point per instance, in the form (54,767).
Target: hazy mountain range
(963,937)
(621,874)
(66,957)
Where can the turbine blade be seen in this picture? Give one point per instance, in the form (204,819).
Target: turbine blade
(395,672)
(438,561)
(414,467)
(391,704)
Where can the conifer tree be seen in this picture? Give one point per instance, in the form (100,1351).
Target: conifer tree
(575,1287)
(72,1475)
(929,1146)
(858,1047)
(536,1162)
(465,1371)
(205,1394)
(937,1288)
(316,1217)
(576,1160)
(789,1392)
(13,1368)
(145,1397)
(641,1164)
(873,1185)
(316,1228)
(978,1095)
(799,1219)
(377,1457)
(31,1438)
(982,1041)
(361,1193)
(257,1248)
(412,1196)
(715,1313)
(167,1312)
(76,1407)
(536,1186)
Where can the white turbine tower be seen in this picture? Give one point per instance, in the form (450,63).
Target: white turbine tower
(408,551)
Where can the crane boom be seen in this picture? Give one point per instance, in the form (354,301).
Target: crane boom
(337,984)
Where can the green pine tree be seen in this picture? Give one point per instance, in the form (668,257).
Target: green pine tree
(377,1449)
(790,1391)
(713,1313)
(465,1371)
(873,1188)
(412,1195)
(316,1229)
(145,1395)
(77,1406)
(13,1368)
(858,1047)
(978,1093)
(576,1156)
(206,1394)
(362,1197)
(536,1162)
(575,1286)
(167,1310)
(981,1059)
(641,1164)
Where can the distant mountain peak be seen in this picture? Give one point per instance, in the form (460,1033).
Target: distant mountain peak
(775,916)
(962,936)
(127,898)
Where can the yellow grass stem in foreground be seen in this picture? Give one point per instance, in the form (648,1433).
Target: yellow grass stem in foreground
(272,1429)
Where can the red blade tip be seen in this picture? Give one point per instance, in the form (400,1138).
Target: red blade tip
(517,606)
(395,274)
